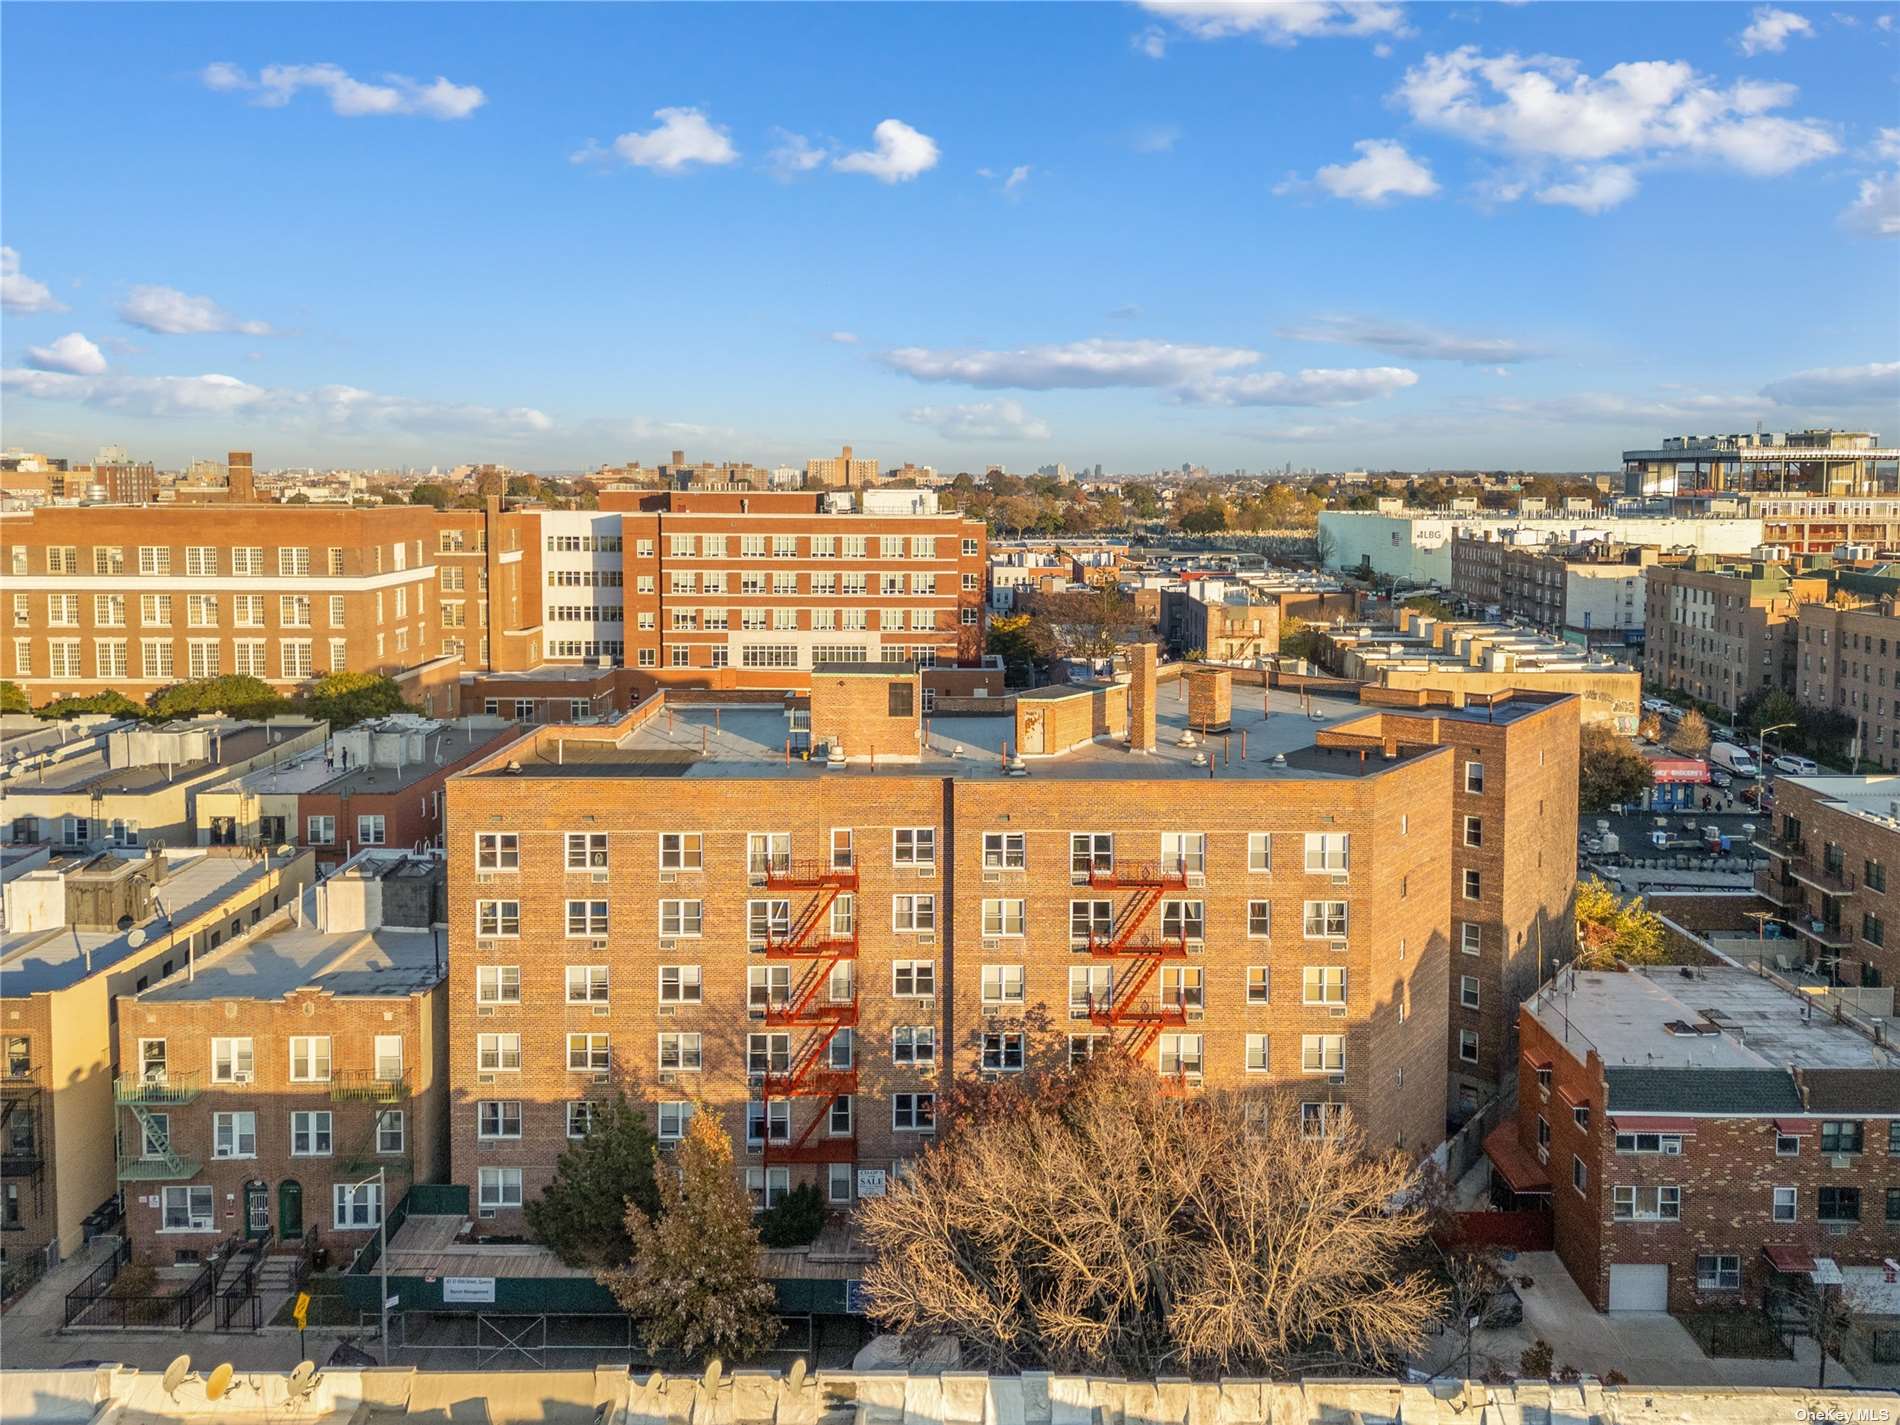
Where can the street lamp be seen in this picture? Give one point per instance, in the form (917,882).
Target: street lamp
(1761,765)
(382,1252)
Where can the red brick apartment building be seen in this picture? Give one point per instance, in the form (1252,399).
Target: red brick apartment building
(1833,844)
(135,597)
(260,1094)
(1705,1137)
(809,915)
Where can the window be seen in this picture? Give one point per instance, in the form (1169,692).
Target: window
(1259,919)
(1468,1045)
(838,1182)
(497,1052)
(1323,984)
(587,984)
(681,851)
(913,913)
(586,850)
(768,1122)
(310,1134)
(1322,1120)
(234,1135)
(914,1044)
(1841,1136)
(1579,1174)
(497,1188)
(497,919)
(1839,1204)
(679,1053)
(1002,984)
(1668,1144)
(498,984)
(1184,852)
(1002,917)
(768,920)
(155,1135)
(914,846)
(310,1058)
(1474,777)
(586,919)
(369,830)
(1322,1053)
(1468,991)
(1180,1055)
(1089,852)
(497,851)
(1183,986)
(914,979)
(1326,853)
(1003,851)
(321,831)
(1325,920)
(1646,1204)
(767,852)
(1258,1053)
(232,1061)
(679,984)
(152,1061)
(767,1186)
(1003,1052)
(587,1054)
(189,1209)
(913,1112)
(581,1117)
(1091,920)
(1470,937)
(1259,851)
(1183,920)
(1474,831)
(498,1118)
(673,1117)
(389,1131)
(1259,984)
(1719,1272)
(1787,1145)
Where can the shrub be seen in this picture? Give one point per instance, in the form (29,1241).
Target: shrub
(796,1219)
(1535,1361)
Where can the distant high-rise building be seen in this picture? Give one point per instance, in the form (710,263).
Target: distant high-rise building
(842,472)
(238,478)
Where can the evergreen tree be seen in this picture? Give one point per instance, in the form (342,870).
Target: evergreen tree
(599,1184)
(693,1278)
(345,699)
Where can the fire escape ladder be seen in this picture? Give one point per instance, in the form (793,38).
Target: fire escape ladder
(1133,916)
(160,1137)
(817,913)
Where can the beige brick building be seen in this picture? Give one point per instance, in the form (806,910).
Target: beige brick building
(1722,632)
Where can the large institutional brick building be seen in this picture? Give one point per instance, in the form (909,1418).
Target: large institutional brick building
(809,915)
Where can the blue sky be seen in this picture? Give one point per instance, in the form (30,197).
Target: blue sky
(1398,235)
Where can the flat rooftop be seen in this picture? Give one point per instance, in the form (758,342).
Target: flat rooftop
(40,961)
(1876,799)
(90,772)
(1626,1018)
(391,962)
(748,740)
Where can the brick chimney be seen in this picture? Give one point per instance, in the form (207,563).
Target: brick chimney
(1141,698)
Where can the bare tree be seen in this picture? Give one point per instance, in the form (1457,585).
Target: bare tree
(1090,1221)
(1086,623)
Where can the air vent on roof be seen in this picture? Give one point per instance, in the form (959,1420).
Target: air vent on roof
(1683,1027)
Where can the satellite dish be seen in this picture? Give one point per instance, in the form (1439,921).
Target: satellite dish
(303,1380)
(796,1377)
(219,1381)
(656,1382)
(125,922)
(176,1374)
(136,939)
(714,1369)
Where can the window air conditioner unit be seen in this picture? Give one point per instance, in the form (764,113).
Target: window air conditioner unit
(600,878)
(930,939)
(484,1010)
(1840,1160)
(1338,1011)
(484,880)
(1337,1079)
(755,947)
(992,878)
(241,1076)
(597,945)
(484,1078)
(666,1009)
(667,1076)
(1196,1014)
(756,880)
(487,1214)
(603,1009)
(1196,947)
(992,945)
(1340,946)
(754,1078)
(486,947)
(600,1078)
(1196,879)
(668,877)
(924,873)
(1339,878)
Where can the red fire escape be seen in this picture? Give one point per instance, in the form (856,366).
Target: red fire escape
(817,948)
(1126,1008)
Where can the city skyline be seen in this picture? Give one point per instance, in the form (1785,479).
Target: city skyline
(565,236)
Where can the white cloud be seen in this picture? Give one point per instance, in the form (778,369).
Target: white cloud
(682,138)
(277,84)
(1616,409)
(844,338)
(71,353)
(1875,383)
(169,312)
(1544,109)
(330,410)
(1155,138)
(1383,170)
(901,153)
(1405,339)
(981,420)
(1018,176)
(1592,190)
(1887,144)
(20,293)
(1318,387)
(794,154)
(1092,363)
(1768,32)
(1876,211)
(1152,42)
(1278,22)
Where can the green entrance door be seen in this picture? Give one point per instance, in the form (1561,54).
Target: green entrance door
(290,1208)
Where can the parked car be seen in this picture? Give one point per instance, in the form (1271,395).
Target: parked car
(1795,766)
(1504,1308)
(1721,779)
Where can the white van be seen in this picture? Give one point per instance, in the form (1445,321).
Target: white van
(1795,766)
(1732,759)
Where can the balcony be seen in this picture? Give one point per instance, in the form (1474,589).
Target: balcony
(20,1161)
(1138,875)
(156,1090)
(814,1150)
(1168,947)
(366,1087)
(177,1168)
(1783,848)
(1154,1014)
(364,1163)
(1828,880)
(819,947)
(1778,887)
(1830,934)
(811,876)
(811,1083)
(844,1016)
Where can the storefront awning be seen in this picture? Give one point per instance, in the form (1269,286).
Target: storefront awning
(1789,1259)
(1795,1127)
(1519,1169)
(1649,1123)
(1679,769)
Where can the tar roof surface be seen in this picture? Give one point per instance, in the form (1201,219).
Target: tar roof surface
(749,740)
(89,771)
(1624,1017)
(33,962)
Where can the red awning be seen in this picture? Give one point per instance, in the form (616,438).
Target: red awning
(1635,1123)
(1678,769)
(1789,1259)
(1795,1127)
(1518,1168)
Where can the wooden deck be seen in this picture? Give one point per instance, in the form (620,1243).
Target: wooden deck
(425,1246)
